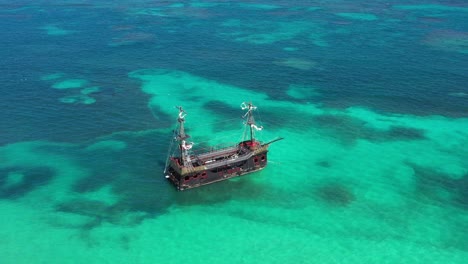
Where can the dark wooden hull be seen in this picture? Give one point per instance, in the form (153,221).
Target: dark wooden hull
(232,164)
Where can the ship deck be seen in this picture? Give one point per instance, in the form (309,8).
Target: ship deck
(214,154)
(221,156)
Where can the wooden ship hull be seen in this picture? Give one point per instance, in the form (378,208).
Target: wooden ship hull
(189,170)
(217,165)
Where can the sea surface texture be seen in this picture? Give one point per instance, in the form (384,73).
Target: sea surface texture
(370,96)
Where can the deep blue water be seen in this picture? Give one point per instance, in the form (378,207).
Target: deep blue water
(378,64)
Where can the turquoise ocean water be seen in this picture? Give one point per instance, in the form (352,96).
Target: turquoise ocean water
(371,97)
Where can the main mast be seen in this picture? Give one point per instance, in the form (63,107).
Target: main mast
(181,137)
(250,119)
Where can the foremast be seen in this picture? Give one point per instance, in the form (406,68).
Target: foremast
(250,120)
(184,147)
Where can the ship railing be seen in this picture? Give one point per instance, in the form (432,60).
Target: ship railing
(218,148)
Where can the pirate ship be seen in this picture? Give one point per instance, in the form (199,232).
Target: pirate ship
(186,169)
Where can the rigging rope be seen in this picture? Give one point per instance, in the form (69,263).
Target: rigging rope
(169,151)
(195,126)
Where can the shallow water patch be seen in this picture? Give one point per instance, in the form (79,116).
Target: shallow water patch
(54,30)
(296,63)
(358,16)
(240,188)
(52,76)
(446,40)
(70,84)
(77,99)
(262,32)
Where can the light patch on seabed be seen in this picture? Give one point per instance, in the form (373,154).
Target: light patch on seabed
(448,41)
(301,91)
(290,49)
(258,6)
(296,63)
(78,99)
(70,84)
(177,5)
(297,245)
(315,8)
(52,76)
(17,9)
(431,7)
(152,11)
(56,31)
(444,148)
(269,32)
(114,145)
(358,16)
(90,90)
(458,94)
(204,4)
(104,194)
(318,40)
(13,179)
(27,238)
